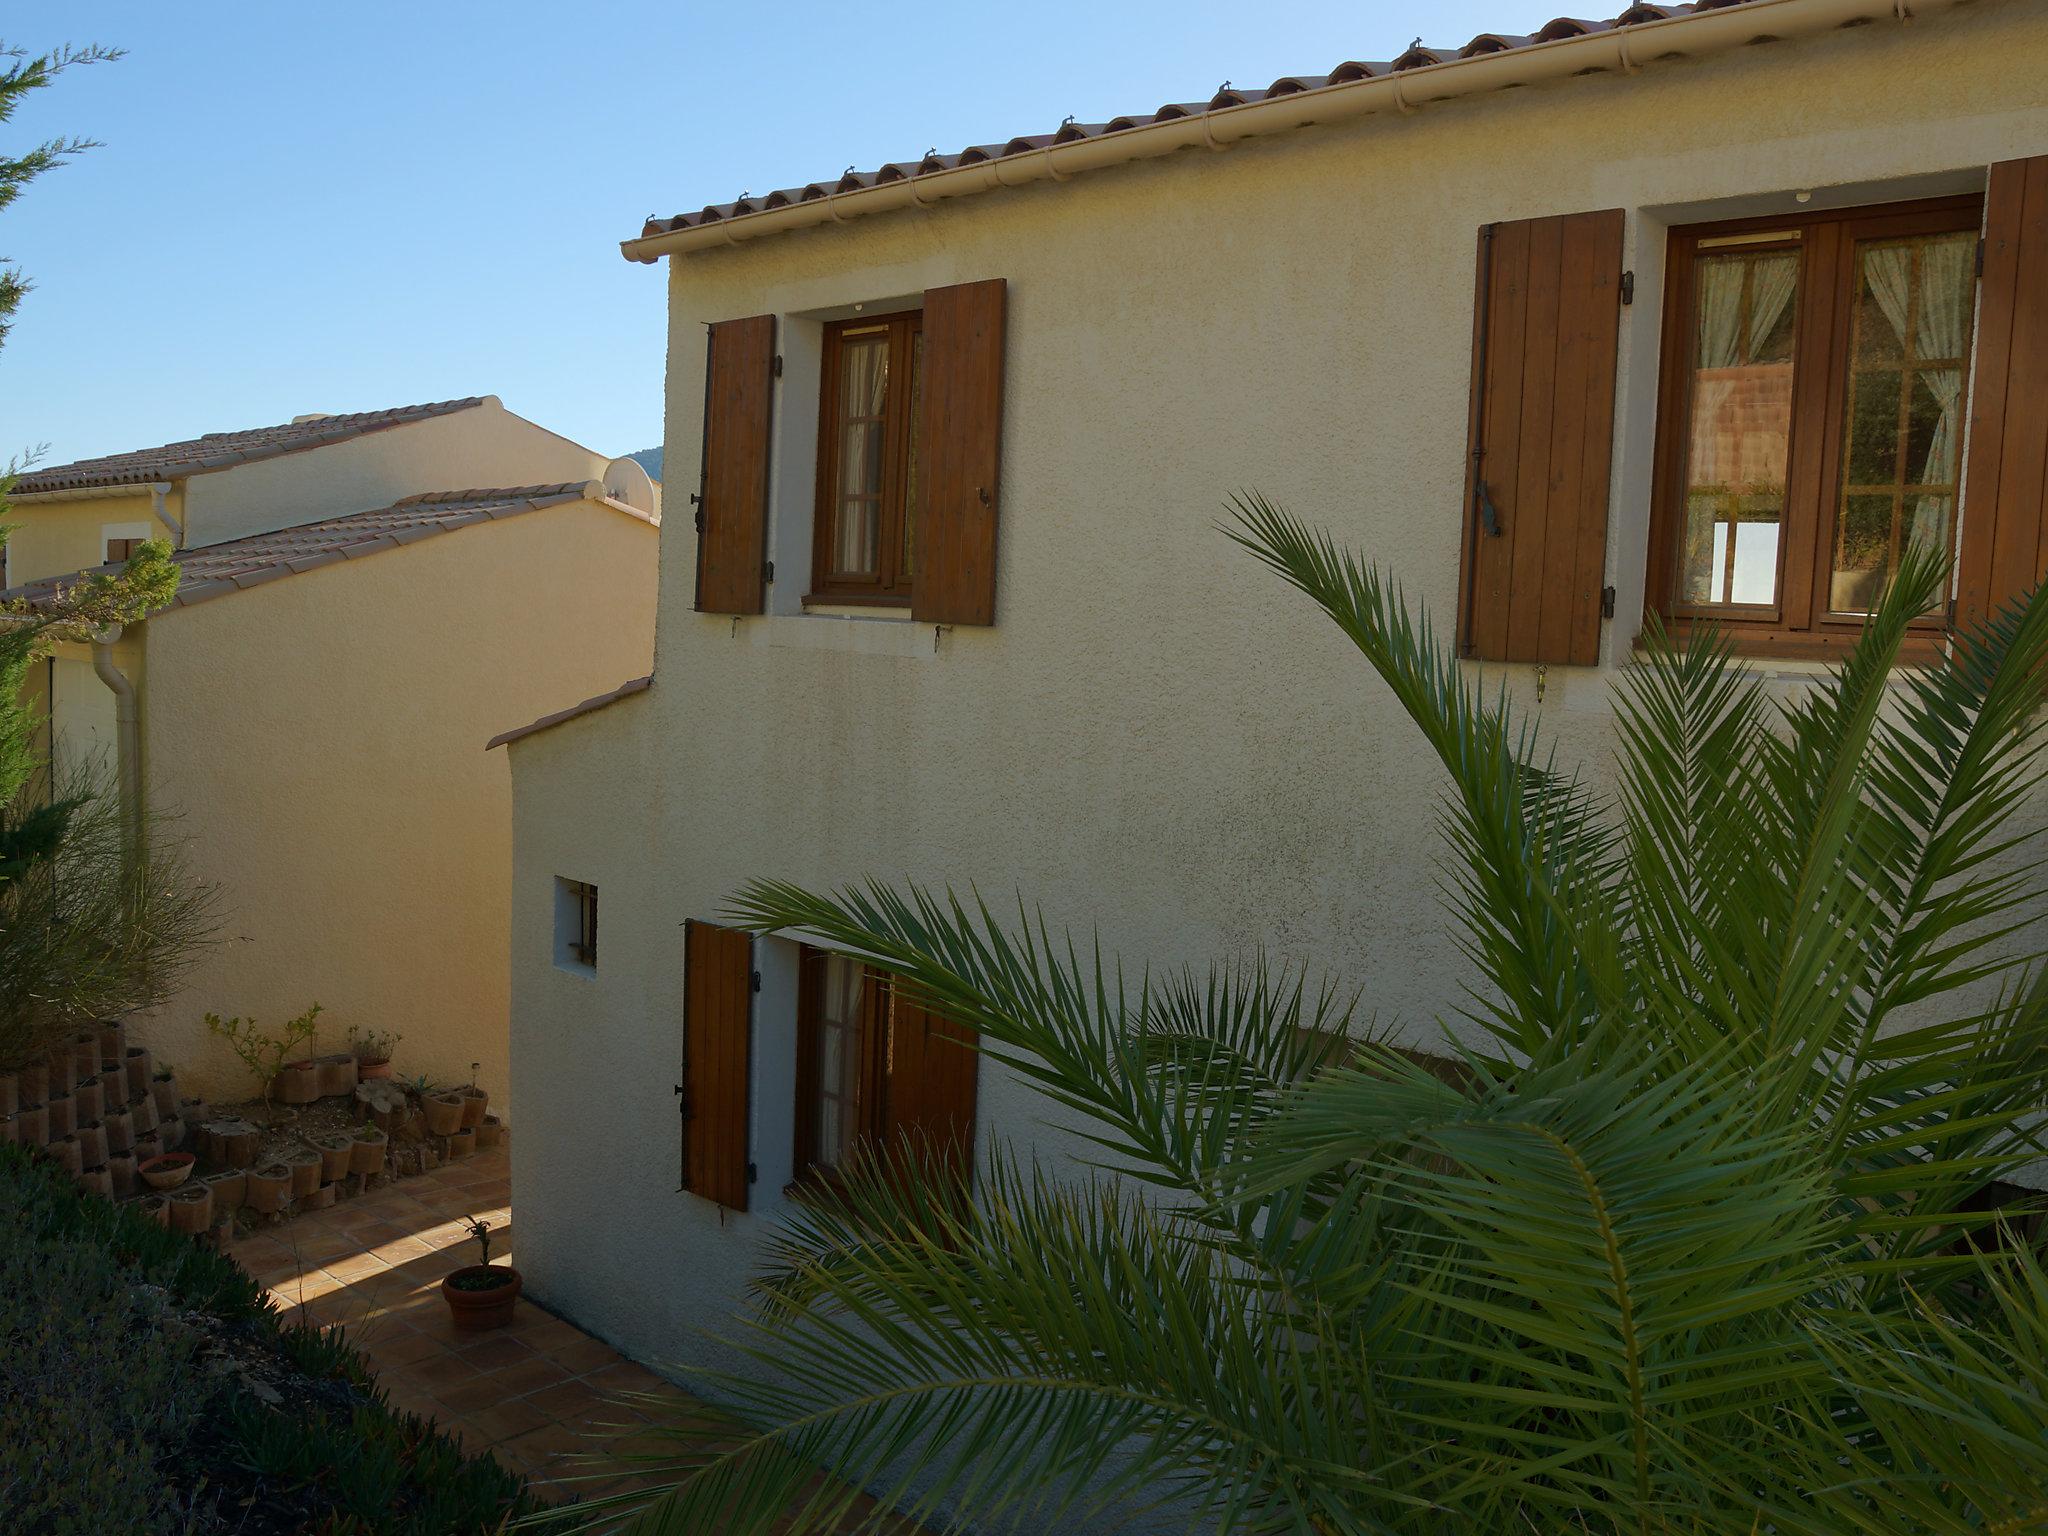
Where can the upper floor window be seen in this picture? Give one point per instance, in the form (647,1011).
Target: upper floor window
(575,924)
(1810,417)
(864,548)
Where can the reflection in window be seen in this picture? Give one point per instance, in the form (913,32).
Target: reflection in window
(1740,425)
(1909,360)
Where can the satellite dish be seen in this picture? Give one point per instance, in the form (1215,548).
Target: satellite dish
(627,480)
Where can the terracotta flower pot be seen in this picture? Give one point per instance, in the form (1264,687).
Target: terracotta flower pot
(62,1110)
(167,1170)
(10,1093)
(461,1144)
(474,1102)
(268,1188)
(372,1071)
(318,1199)
(489,1132)
(335,1152)
(305,1167)
(298,1083)
(444,1113)
(113,1083)
(85,1054)
(487,1307)
(172,1134)
(31,1083)
(113,1038)
(121,1170)
(140,1064)
(120,1131)
(143,1113)
(192,1208)
(337,1074)
(366,1151)
(163,1087)
(89,1103)
(65,1152)
(191,1110)
(92,1143)
(150,1146)
(96,1181)
(32,1125)
(157,1209)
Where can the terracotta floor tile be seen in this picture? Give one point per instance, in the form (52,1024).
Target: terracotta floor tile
(584,1355)
(473,1393)
(442,1370)
(494,1351)
(530,1376)
(401,1345)
(508,1419)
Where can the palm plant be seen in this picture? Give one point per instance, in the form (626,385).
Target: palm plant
(1687,1230)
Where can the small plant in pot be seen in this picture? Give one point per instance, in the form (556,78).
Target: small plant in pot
(373,1050)
(481,1295)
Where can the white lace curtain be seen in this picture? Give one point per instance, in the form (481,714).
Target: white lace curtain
(1722,343)
(1941,329)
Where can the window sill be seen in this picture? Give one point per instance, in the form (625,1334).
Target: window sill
(1920,648)
(854,600)
(857,631)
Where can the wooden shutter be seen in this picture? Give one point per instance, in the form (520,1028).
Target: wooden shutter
(718,1035)
(932,1081)
(959,442)
(2003,546)
(1545,346)
(732,500)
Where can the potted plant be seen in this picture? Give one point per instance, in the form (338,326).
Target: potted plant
(166,1171)
(373,1049)
(481,1295)
(265,1055)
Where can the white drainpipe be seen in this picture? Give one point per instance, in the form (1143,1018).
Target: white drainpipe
(157,492)
(127,738)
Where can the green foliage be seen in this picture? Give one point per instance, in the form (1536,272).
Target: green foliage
(89,933)
(111,1418)
(264,1055)
(1694,1239)
(373,1044)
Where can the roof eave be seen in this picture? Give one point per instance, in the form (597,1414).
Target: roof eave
(1624,49)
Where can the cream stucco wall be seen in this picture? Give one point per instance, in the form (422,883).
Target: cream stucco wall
(58,535)
(485,445)
(323,737)
(1154,738)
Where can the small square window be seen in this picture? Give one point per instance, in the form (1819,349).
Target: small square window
(575,925)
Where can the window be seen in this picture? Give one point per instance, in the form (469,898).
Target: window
(864,547)
(1810,416)
(575,925)
(872,1066)
(119,550)
(119,541)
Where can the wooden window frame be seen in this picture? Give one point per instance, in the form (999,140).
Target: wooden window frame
(583,947)
(1799,624)
(893,585)
(871,1118)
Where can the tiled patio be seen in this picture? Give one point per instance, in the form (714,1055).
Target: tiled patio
(533,1393)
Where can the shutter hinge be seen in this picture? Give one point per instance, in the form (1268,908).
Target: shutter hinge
(753,1174)
(683,1108)
(754,980)
(1628,287)
(1607,602)
(699,517)
(768,570)
(777,368)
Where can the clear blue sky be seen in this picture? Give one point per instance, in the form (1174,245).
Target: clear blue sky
(308,207)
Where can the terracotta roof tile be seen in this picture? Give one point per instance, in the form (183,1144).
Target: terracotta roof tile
(224,450)
(1417,57)
(624,690)
(215,570)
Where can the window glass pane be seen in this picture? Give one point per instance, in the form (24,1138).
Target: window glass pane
(855,551)
(864,375)
(1910,358)
(1745,305)
(836,1115)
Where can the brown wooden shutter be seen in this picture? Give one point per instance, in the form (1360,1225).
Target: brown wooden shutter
(1545,347)
(732,502)
(718,1033)
(959,443)
(932,1081)
(2003,544)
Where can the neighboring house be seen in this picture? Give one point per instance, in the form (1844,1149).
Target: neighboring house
(351,622)
(1679,313)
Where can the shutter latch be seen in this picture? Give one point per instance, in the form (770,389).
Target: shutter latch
(1489,519)
(768,570)
(754,980)
(1607,602)
(1628,287)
